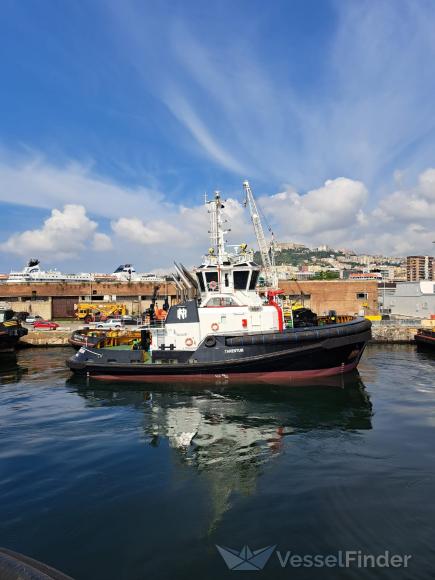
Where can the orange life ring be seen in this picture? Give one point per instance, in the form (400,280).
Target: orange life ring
(215,326)
(188,342)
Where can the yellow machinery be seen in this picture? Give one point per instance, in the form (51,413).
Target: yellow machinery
(114,338)
(288,307)
(85,310)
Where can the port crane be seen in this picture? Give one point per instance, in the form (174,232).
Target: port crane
(266,250)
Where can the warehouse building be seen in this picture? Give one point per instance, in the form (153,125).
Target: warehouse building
(57,300)
(410,299)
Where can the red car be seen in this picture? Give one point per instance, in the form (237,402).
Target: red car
(46,325)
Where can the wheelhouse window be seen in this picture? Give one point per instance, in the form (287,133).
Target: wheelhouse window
(240,279)
(254,278)
(221,301)
(200,281)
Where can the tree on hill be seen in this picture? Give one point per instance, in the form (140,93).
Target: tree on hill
(327,275)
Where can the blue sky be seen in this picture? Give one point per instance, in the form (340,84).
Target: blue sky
(120,115)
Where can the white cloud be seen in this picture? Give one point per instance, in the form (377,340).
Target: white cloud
(183,227)
(137,231)
(338,213)
(334,206)
(62,236)
(101,242)
(33,181)
(415,203)
(186,115)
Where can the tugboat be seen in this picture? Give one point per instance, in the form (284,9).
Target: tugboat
(10,330)
(224,328)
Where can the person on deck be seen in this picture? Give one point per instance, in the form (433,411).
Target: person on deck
(136,344)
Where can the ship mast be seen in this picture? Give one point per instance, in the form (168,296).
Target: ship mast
(217,231)
(267,261)
(217,252)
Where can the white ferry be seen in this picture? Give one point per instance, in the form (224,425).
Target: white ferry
(127,273)
(33,273)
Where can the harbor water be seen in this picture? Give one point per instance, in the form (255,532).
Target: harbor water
(116,482)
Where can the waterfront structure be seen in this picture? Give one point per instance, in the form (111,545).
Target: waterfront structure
(279,246)
(419,268)
(409,299)
(343,296)
(57,300)
(365,276)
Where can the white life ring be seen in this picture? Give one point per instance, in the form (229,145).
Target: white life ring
(212,285)
(188,342)
(215,326)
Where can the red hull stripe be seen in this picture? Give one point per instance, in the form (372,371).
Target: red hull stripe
(234,377)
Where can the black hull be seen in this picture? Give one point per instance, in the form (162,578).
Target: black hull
(425,341)
(300,354)
(9,338)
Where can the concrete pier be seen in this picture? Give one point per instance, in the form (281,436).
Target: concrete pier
(393,334)
(46,338)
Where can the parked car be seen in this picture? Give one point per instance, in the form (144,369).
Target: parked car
(110,323)
(45,325)
(131,320)
(32,318)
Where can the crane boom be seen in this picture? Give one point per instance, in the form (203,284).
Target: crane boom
(269,267)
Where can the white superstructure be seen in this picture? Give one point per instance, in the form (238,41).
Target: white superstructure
(226,293)
(127,273)
(33,273)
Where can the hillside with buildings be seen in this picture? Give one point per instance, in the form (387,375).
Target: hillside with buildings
(298,262)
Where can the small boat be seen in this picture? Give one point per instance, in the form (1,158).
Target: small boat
(425,339)
(94,338)
(14,566)
(225,327)
(10,330)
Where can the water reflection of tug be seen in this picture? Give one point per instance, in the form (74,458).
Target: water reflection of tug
(225,328)
(230,434)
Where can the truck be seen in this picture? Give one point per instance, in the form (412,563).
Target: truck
(94,312)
